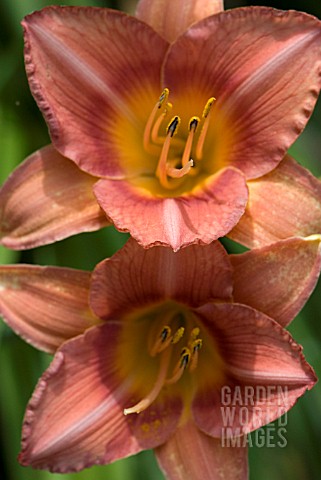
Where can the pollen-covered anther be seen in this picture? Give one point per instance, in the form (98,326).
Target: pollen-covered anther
(178,335)
(194,344)
(164,339)
(180,367)
(195,348)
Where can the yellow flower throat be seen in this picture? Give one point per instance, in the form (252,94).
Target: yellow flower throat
(175,161)
(164,345)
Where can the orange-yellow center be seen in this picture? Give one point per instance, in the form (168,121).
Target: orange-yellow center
(161,350)
(175,158)
(170,149)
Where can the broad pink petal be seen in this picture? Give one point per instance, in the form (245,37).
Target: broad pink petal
(201,216)
(170,19)
(47,198)
(88,68)
(285,203)
(277,280)
(260,358)
(263,67)
(45,305)
(192,455)
(136,277)
(75,418)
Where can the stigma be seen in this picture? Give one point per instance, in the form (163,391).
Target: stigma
(176,151)
(173,361)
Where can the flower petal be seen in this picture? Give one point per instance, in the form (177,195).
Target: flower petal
(86,66)
(277,280)
(199,217)
(193,275)
(45,305)
(261,358)
(59,193)
(192,455)
(263,67)
(75,418)
(285,203)
(171,19)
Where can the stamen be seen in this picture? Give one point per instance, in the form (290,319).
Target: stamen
(196,346)
(163,97)
(194,333)
(155,137)
(206,116)
(148,128)
(178,335)
(193,123)
(173,126)
(161,171)
(180,366)
(153,394)
(162,341)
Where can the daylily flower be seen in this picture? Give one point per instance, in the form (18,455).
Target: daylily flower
(173,332)
(169,115)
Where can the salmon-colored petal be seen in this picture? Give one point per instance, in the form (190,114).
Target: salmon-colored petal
(285,203)
(75,418)
(278,279)
(263,67)
(192,455)
(45,305)
(171,19)
(261,361)
(204,215)
(136,277)
(85,67)
(47,198)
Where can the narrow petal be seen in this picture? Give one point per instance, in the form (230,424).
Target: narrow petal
(277,280)
(263,67)
(192,455)
(285,203)
(47,198)
(202,216)
(261,361)
(87,68)
(171,19)
(45,305)
(75,418)
(193,275)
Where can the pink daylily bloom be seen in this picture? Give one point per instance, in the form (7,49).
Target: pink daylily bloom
(141,378)
(175,113)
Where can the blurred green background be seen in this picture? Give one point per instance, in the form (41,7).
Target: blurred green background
(22,130)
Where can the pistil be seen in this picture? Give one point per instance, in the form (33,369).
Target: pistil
(160,381)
